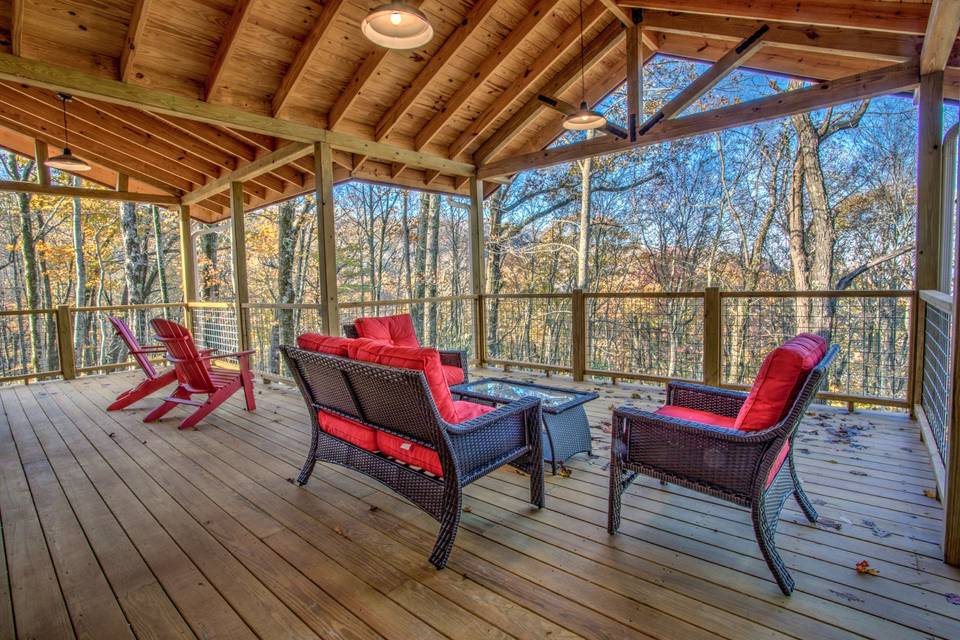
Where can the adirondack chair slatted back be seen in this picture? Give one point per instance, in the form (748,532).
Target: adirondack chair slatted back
(133,345)
(181,350)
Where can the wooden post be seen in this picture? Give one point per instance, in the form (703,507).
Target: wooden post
(238,242)
(477,271)
(578,334)
(327,241)
(951,518)
(123,182)
(712,331)
(43,171)
(68,367)
(635,73)
(188,265)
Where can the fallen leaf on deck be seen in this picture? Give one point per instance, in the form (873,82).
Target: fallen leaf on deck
(859,473)
(468,509)
(846,595)
(828,522)
(953,598)
(930,493)
(564,471)
(864,567)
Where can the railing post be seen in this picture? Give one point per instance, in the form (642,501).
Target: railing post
(327,239)
(238,243)
(68,368)
(188,266)
(712,348)
(479,330)
(578,334)
(477,270)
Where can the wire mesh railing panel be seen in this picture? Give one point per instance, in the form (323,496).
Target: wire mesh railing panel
(274,325)
(935,394)
(872,331)
(445,323)
(649,336)
(535,329)
(28,344)
(215,327)
(95,343)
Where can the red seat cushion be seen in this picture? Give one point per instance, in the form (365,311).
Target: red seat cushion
(426,360)
(467,410)
(453,375)
(353,432)
(695,415)
(329,345)
(784,450)
(396,330)
(783,372)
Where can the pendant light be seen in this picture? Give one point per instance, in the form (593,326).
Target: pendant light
(397,25)
(66,161)
(584,118)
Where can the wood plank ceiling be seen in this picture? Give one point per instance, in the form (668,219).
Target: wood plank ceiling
(470,94)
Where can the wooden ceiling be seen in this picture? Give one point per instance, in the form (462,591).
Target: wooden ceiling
(469,95)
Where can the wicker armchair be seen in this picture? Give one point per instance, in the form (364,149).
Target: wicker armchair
(737,466)
(398,402)
(448,357)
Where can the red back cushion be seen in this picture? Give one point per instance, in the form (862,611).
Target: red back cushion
(329,345)
(779,380)
(396,330)
(426,360)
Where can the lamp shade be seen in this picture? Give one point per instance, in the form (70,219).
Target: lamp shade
(584,119)
(66,161)
(397,26)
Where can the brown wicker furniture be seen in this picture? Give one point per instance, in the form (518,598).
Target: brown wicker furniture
(397,403)
(753,468)
(399,330)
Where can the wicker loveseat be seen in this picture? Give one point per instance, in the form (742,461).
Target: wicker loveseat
(398,330)
(399,425)
(730,445)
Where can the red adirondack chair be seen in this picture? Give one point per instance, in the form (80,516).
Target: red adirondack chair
(196,375)
(154,382)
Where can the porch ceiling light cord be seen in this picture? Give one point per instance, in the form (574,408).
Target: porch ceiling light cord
(66,161)
(585,118)
(397,25)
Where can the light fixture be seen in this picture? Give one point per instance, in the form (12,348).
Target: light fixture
(584,119)
(66,161)
(397,25)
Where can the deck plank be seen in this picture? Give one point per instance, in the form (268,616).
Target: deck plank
(172,519)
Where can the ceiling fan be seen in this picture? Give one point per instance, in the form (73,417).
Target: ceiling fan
(569,110)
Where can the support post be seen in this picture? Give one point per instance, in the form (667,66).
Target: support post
(238,243)
(68,367)
(188,265)
(951,516)
(635,73)
(43,171)
(578,334)
(326,228)
(477,271)
(712,348)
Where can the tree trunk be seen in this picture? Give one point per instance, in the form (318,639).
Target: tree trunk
(583,239)
(161,263)
(286,245)
(433,252)
(31,278)
(135,263)
(82,320)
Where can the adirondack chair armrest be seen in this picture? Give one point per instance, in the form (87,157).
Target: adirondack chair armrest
(146,350)
(217,356)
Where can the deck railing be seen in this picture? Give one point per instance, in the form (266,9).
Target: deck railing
(934,348)
(710,336)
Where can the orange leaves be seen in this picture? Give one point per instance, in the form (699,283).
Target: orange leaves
(863,567)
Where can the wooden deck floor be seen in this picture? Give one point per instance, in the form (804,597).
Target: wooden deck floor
(115,529)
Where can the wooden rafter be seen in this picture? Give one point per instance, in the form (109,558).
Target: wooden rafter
(307,50)
(941,35)
(368,69)
(95,194)
(17,8)
(899,77)
(627,19)
(138,24)
(258,167)
(609,38)
(486,69)
(592,14)
(877,15)
(241,13)
(635,60)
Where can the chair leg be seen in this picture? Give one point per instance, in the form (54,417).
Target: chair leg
(247,378)
(213,401)
(805,505)
(167,406)
(765,538)
(536,481)
(448,532)
(142,390)
(613,501)
(307,470)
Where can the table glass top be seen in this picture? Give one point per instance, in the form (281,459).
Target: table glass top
(516,390)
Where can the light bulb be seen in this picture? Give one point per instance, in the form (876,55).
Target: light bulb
(395,18)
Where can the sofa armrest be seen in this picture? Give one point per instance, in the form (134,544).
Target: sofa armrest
(508,434)
(722,402)
(456,358)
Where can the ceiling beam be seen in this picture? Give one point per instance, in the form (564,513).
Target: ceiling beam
(941,35)
(486,69)
(310,46)
(241,13)
(626,18)
(79,83)
(260,166)
(528,77)
(93,194)
(434,66)
(609,38)
(635,60)
(17,8)
(893,79)
(368,69)
(876,15)
(138,24)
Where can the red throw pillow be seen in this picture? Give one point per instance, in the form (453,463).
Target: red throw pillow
(779,380)
(396,330)
(426,360)
(329,345)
